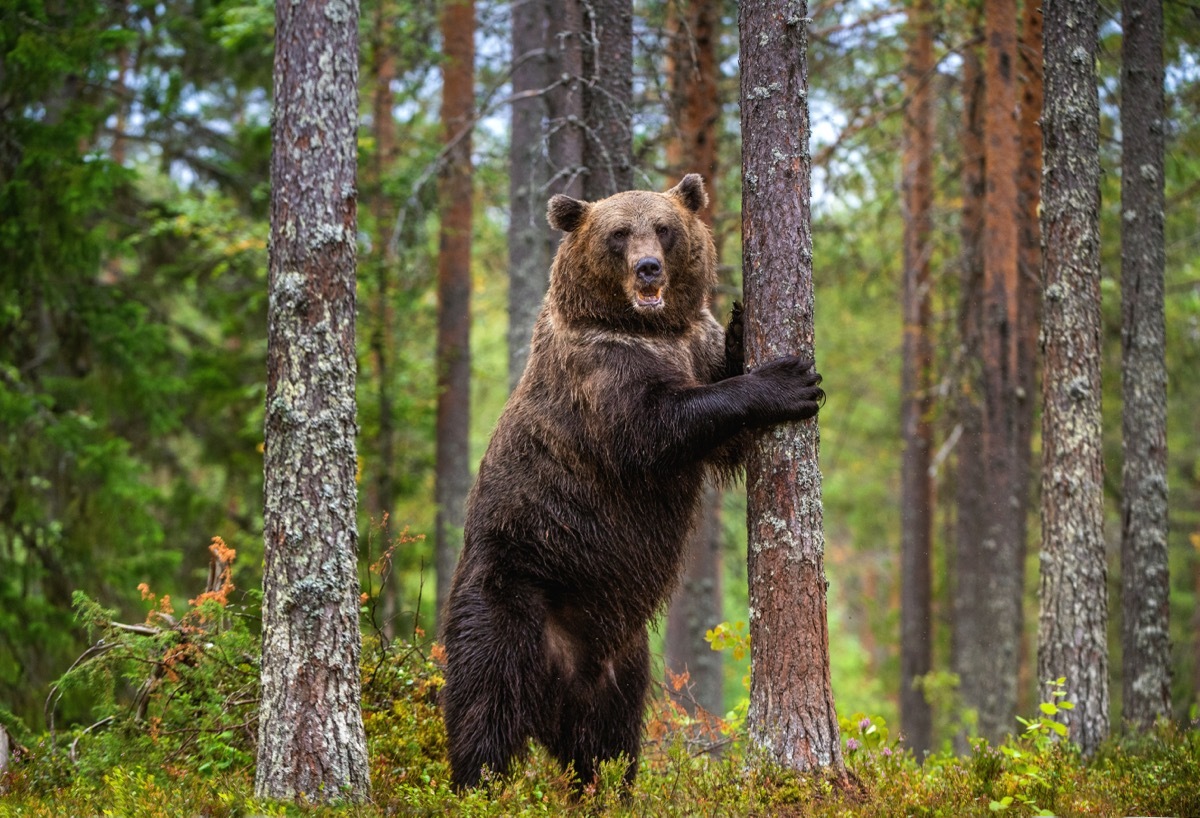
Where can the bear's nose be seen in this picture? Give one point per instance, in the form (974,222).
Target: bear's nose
(648,269)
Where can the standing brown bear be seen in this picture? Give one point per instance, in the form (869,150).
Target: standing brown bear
(589,488)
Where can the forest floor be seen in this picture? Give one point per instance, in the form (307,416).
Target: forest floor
(191,754)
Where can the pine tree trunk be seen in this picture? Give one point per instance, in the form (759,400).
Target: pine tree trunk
(969,625)
(692,147)
(1072,633)
(607,63)
(1145,587)
(564,100)
(991,681)
(383,496)
(453,477)
(311,740)
(1029,284)
(529,237)
(696,608)
(792,717)
(916,537)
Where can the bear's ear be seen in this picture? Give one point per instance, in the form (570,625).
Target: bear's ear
(565,213)
(690,191)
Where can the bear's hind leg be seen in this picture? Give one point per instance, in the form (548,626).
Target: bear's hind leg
(603,720)
(491,658)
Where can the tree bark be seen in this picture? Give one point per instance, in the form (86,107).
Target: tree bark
(311,739)
(564,100)
(1029,283)
(1145,586)
(530,243)
(1072,633)
(916,538)
(969,625)
(792,717)
(382,498)
(695,608)
(990,680)
(692,147)
(453,477)
(607,63)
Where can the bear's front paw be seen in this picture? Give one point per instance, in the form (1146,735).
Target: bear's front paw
(735,330)
(795,386)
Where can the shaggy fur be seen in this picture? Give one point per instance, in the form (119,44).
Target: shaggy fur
(588,491)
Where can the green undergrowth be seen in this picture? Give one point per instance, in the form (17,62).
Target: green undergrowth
(175,723)
(689,767)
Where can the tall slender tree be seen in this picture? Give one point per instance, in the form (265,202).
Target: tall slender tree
(565,124)
(968,622)
(529,237)
(311,741)
(1072,632)
(607,65)
(692,147)
(792,716)
(990,679)
(1145,586)
(916,636)
(382,495)
(453,477)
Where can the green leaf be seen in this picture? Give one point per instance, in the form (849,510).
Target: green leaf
(1048,708)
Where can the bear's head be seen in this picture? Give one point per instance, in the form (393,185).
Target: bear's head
(639,260)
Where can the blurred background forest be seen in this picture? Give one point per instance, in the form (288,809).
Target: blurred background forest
(134,196)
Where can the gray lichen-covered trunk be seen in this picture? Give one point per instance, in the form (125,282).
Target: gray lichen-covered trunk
(1072,627)
(792,717)
(607,63)
(311,740)
(529,237)
(1145,638)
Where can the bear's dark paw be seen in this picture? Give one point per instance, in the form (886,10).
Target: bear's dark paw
(795,386)
(735,352)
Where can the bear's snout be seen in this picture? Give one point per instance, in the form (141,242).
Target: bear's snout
(648,270)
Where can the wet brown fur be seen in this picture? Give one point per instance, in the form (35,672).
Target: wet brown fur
(589,488)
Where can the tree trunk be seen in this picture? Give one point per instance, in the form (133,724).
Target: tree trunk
(990,683)
(792,717)
(1145,588)
(529,237)
(969,623)
(564,100)
(383,496)
(1029,284)
(453,477)
(1072,633)
(916,538)
(692,147)
(607,62)
(311,740)
(695,608)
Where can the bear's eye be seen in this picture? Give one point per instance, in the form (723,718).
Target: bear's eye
(666,236)
(620,235)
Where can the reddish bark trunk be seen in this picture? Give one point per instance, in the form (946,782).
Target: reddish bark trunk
(792,716)
(454,289)
(695,111)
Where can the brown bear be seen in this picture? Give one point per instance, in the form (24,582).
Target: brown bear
(589,488)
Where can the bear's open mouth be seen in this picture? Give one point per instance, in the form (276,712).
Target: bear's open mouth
(649,299)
